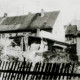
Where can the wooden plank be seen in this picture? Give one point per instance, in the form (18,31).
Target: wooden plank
(14,66)
(48,69)
(29,69)
(67,66)
(3,65)
(61,70)
(3,68)
(12,70)
(6,69)
(72,71)
(34,70)
(53,69)
(57,70)
(38,76)
(43,70)
(18,69)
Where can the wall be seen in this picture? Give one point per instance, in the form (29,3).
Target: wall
(58,32)
(78,46)
(71,40)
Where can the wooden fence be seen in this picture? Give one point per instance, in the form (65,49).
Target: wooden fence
(40,71)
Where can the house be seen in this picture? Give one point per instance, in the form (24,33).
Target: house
(78,43)
(49,45)
(71,37)
(20,27)
(70,33)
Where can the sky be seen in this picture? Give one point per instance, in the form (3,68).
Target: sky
(69,9)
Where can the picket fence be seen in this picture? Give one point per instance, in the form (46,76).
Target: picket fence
(10,70)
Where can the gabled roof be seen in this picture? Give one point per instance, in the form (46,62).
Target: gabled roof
(47,39)
(77,22)
(14,20)
(71,30)
(30,21)
(47,21)
(57,42)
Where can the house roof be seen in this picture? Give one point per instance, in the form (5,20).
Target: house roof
(48,39)
(30,21)
(0,18)
(71,30)
(57,42)
(13,20)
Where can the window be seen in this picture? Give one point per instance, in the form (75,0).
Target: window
(70,38)
(67,38)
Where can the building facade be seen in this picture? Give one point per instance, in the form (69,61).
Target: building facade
(27,25)
(72,36)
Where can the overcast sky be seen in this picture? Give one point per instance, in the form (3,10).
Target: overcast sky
(69,9)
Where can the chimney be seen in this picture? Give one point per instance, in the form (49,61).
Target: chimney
(29,12)
(69,24)
(5,15)
(42,12)
(38,32)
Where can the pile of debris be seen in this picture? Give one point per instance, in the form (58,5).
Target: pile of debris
(35,53)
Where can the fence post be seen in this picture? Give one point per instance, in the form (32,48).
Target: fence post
(24,62)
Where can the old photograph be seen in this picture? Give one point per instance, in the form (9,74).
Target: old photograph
(39,39)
